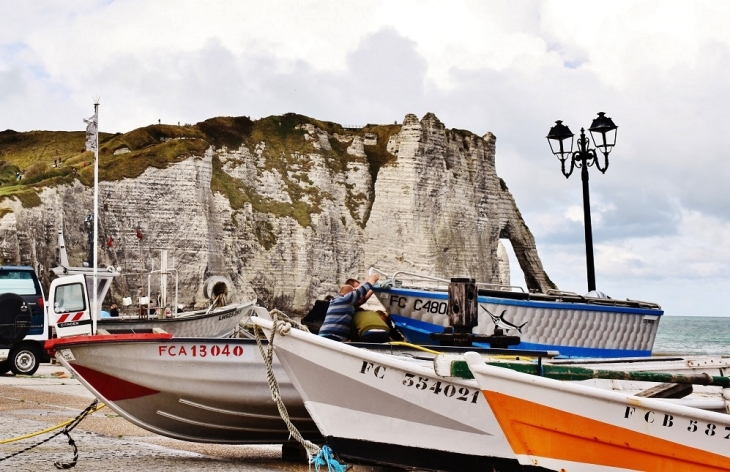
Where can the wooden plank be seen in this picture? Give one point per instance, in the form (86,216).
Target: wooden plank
(463,311)
(667,390)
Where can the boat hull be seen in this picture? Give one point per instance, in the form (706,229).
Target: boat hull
(391,410)
(574,329)
(564,426)
(217,323)
(422,459)
(202,390)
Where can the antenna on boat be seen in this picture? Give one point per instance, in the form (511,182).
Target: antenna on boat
(95,302)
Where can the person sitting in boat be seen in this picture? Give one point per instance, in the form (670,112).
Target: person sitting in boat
(370,321)
(367,302)
(113,310)
(338,321)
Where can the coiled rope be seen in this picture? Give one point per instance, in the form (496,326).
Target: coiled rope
(315,455)
(69,425)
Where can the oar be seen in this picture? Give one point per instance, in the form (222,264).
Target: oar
(459,368)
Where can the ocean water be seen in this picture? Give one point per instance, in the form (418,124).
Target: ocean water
(693,335)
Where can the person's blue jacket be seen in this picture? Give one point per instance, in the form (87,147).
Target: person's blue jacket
(338,320)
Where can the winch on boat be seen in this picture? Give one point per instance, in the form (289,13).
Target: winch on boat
(463,315)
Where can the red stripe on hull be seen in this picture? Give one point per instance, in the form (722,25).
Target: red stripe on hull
(110,387)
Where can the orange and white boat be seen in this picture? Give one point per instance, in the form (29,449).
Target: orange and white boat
(569,427)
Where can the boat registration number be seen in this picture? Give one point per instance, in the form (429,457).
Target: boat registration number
(669,421)
(417,382)
(201,350)
(429,306)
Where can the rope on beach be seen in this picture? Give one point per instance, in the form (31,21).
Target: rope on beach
(69,425)
(315,455)
(47,430)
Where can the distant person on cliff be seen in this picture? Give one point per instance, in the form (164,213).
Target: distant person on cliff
(338,321)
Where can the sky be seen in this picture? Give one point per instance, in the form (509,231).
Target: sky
(660,213)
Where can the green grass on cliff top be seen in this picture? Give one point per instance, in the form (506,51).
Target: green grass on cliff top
(128,155)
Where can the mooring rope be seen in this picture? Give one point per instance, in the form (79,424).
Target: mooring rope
(69,425)
(315,455)
(268,355)
(413,346)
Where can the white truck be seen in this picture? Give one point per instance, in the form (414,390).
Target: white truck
(28,319)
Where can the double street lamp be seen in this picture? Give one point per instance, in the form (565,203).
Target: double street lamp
(560,138)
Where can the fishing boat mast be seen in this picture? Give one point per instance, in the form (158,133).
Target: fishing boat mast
(95,301)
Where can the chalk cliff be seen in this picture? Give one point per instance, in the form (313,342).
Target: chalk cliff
(286,207)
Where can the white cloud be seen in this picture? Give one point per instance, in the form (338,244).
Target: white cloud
(658,68)
(623,40)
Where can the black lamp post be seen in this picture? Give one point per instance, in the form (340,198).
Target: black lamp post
(603,132)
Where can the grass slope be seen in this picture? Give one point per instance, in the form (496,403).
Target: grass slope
(128,155)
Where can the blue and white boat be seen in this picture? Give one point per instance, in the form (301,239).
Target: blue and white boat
(575,325)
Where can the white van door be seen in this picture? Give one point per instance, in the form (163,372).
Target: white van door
(68,306)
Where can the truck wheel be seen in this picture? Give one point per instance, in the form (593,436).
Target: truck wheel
(24,359)
(4,367)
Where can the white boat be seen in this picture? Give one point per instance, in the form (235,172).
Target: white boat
(211,390)
(391,410)
(695,381)
(575,325)
(565,426)
(217,320)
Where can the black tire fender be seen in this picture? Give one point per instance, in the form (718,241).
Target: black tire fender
(216,286)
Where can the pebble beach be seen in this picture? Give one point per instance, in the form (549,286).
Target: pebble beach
(107,442)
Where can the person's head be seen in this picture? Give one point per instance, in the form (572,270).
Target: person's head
(114,305)
(345,289)
(353,283)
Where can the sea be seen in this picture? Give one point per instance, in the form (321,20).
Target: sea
(693,335)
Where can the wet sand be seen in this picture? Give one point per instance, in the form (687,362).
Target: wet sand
(107,442)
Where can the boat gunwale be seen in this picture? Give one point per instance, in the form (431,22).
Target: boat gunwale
(57,343)
(194,315)
(581,304)
(475,361)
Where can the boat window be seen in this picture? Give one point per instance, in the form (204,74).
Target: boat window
(69,298)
